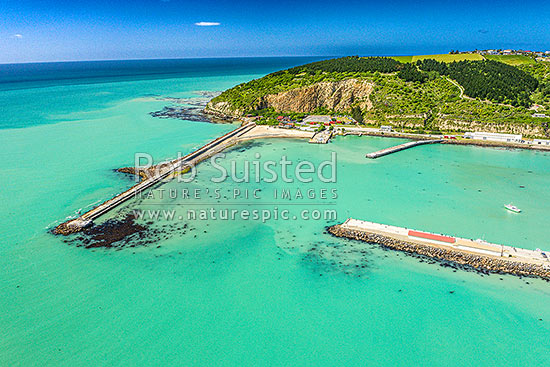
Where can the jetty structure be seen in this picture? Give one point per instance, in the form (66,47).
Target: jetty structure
(165,170)
(401,147)
(321,137)
(478,254)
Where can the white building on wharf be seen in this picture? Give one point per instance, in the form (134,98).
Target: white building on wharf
(507,138)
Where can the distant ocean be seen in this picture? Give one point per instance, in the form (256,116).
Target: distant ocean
(66,87)
(243,292)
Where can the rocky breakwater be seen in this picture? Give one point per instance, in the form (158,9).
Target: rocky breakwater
(72,226)
(142,174)
(486,264)
(336,96)
(152,171)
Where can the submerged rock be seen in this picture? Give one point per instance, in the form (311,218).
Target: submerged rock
(182,113)
(113,232)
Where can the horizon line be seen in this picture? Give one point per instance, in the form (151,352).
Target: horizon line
(164,58)
(216,57)
(205,57)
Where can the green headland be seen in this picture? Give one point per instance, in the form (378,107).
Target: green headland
(425,94)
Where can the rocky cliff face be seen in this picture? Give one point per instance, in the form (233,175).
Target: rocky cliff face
(337,96)
(222,110)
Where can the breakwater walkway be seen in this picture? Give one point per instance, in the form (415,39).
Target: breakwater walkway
(478,254)
(401,147)
(321,137)
(165,171)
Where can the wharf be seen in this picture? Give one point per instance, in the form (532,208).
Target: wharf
(401,147)
(478,254)
(166,171)
(322,137)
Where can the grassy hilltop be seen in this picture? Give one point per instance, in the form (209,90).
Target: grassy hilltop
(417,93)
(442,57)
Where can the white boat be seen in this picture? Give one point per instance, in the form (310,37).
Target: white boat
(512,208)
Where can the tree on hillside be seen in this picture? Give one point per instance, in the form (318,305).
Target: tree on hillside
(410,73)
(428,120)
(350,64)
(357,114)
(544,126)
(485,79)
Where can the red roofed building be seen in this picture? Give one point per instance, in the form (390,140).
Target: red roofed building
(432,237)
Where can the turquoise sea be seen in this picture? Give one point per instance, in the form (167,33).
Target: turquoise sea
(248,292)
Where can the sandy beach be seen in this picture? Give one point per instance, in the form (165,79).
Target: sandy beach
(264,131)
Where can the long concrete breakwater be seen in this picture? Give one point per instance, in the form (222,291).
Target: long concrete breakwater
(164,172)
(401,147)
(480,255)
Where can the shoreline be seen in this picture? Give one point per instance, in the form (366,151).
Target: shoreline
(258,132)
(353,130)
(480,143)
(483,257)
(168,170)
(266,131)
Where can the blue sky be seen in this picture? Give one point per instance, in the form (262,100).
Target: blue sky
(46,30)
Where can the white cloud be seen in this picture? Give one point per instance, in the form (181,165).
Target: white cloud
(19,36)
(207,24)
